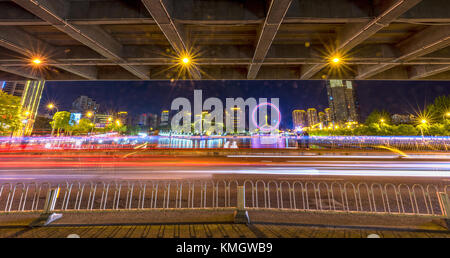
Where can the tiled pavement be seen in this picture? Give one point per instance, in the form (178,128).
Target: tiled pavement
(210,231)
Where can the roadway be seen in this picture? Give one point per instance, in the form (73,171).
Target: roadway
(136,166)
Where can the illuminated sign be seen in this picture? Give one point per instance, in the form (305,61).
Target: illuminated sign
(74,118)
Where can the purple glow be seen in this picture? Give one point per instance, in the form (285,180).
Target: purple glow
(270,127)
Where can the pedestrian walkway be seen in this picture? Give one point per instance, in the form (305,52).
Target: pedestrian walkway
(211,230)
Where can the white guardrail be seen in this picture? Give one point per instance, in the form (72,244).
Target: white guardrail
(294,195)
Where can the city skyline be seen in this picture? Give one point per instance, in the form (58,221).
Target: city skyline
(155,96)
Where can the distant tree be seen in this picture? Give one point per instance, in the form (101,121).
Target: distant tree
(134,130)
(406,130)
(439,108)
(114,127)
(10,113)
(83,126)
(61,121)
(376,116)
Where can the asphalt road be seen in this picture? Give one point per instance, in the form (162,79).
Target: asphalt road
(133,166)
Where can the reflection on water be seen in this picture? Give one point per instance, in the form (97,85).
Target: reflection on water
(224,142)
(231,142)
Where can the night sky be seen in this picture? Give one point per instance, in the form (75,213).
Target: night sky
(138,97)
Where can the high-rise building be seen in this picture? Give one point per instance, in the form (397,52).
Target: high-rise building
(30,93)
(142,119)
(153,122)
(84,104)
(312,117)
(148,120)
(299,118)
(14,88)
(122,116)
(102,120)
(164,119)
(328,115)
(342,101)
(322,118)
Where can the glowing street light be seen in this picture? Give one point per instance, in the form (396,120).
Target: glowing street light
(37,61)
(423,121)
(186,60)
(118,122)
(89,114)
(382,120)
(336,60)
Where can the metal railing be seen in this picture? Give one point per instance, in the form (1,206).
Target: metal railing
(293,195)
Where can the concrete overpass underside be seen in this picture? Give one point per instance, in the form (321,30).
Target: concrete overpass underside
(228,39)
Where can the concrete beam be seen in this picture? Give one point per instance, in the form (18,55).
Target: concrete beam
(173,31)
(242,12)
(275,15)
(421,71)
(22,71)
(353,34)
(29,46)
(422,43)
(55,13)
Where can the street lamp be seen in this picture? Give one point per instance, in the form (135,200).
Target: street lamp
(90,114)
(186,60)
(51,106)
(447,115)
(335,59)
(423,122)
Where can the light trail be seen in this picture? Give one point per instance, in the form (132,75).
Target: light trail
(169,172)
(315,156)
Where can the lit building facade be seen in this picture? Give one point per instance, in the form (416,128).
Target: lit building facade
(83,104)
(322,118)
(328,115)
(102,120)
(299,118)
(122,116)
(164,119)
(312,117)
(342,101)
(148,120)
(30,93)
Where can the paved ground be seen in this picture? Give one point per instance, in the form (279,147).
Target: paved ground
(210,231)
(219,224)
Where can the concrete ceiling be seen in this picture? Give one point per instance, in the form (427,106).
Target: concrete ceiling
(231,39)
